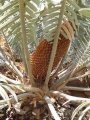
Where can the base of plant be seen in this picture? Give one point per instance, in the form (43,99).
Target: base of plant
(34,108)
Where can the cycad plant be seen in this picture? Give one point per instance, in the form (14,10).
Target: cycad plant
(46,35)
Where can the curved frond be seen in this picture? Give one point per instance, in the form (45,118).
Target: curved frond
(49,19)
(84,112)
(81,47)
(84,104)
(11,25)
(4,94)
(12,92)
(35,16)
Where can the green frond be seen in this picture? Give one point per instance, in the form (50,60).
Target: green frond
(2,2)
(41,23)
(81,46)
(49,17)
(25,23)
(11,25)
(85,12)
(34,16)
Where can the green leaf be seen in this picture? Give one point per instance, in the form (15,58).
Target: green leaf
(85,12)
(2,2)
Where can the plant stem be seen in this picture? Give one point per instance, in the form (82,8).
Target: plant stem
(71,98)
(55,43)
(72,88)
(52,109)
(24,40)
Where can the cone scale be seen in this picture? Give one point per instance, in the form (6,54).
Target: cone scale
(41,56)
